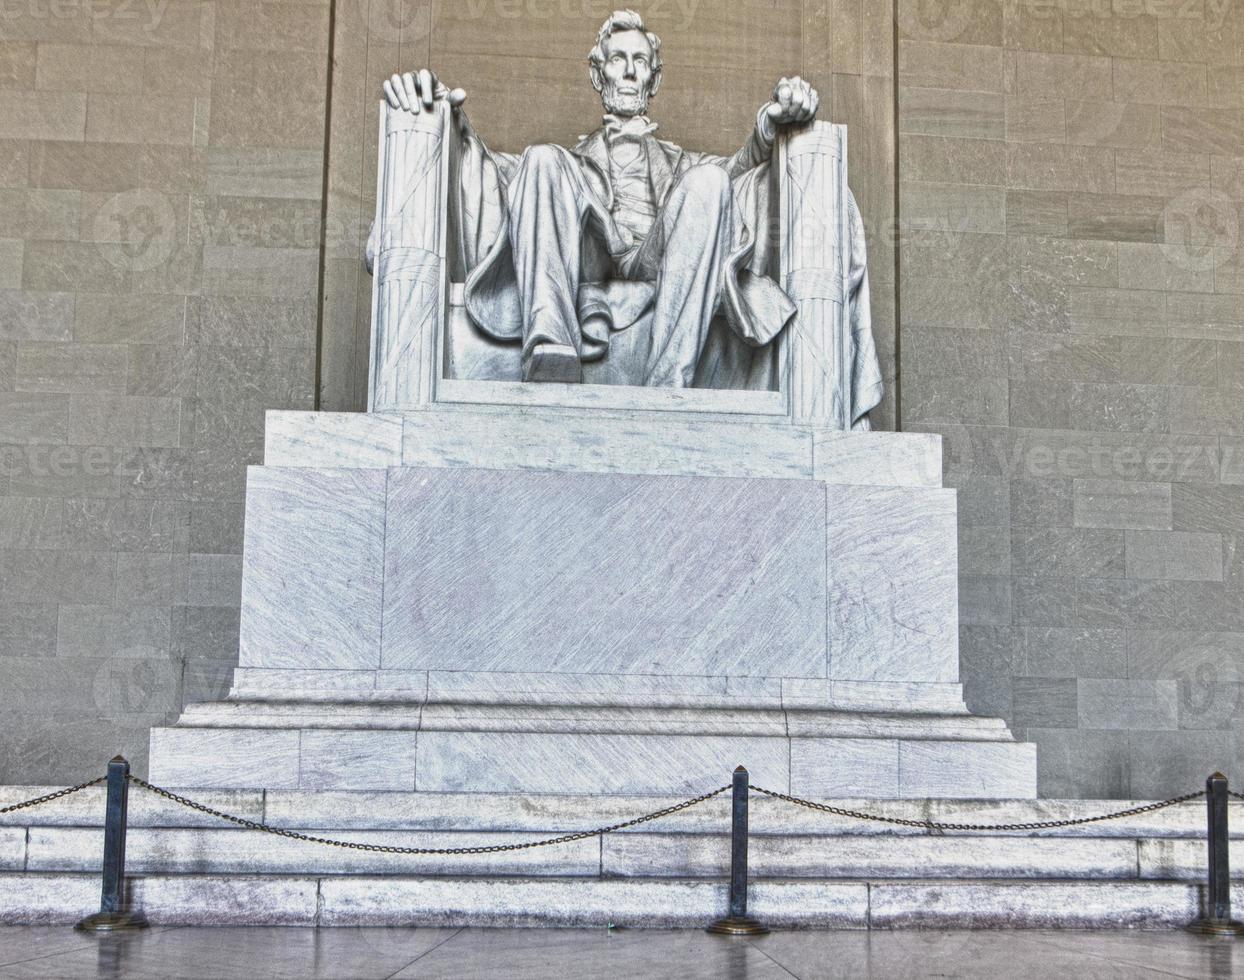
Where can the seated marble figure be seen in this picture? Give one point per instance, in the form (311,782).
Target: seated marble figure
(563,250)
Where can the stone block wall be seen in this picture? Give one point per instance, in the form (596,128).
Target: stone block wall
(1071,303)
(1072,320)
(160,184)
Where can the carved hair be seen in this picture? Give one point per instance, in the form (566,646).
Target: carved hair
(623,20)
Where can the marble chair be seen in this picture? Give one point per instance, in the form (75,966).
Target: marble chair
(423,335)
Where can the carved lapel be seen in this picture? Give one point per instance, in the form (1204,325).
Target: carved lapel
(661,168)
(593,150)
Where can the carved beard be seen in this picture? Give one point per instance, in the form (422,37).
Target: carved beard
(624,105)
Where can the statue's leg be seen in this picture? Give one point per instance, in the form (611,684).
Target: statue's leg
(697,226)
(546,210)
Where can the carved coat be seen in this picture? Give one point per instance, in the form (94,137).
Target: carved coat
(753,307)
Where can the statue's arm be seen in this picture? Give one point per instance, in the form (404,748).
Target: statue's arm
(794,102)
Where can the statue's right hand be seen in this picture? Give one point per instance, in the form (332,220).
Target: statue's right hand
(416,91)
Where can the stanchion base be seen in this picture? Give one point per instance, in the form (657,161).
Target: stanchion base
(1217,927)
(113,922)
(737,925)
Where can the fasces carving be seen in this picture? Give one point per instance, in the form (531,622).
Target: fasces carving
(408,258)
(833,371)
(625,259)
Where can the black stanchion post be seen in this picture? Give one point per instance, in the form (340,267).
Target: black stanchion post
(1217,920)
(737,922)
(113,914)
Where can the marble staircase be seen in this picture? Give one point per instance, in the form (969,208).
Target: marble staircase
(809,869)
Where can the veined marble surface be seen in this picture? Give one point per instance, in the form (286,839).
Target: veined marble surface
(593,573)
(893,584)
(312,568)
(612,439)
(624,601)
(597,573)
(506,755)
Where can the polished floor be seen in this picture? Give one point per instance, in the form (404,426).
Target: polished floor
(560,954)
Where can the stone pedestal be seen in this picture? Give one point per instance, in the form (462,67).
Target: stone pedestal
(575,598)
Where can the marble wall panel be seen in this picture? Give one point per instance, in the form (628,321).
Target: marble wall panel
(311,578)
(893,590)
(603,572)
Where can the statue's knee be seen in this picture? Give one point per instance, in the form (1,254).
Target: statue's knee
(708,183)
(543,158)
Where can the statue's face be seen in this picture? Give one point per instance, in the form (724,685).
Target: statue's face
(626,76)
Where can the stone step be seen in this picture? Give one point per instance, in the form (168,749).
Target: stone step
(625,854)
(516,761)
(343,811)
(357,900)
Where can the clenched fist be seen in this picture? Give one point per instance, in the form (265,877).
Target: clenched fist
(416,91)
(794,101)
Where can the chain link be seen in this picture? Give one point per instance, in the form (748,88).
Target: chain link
(1238,796)
(936,827)
(394,849)
(54,796)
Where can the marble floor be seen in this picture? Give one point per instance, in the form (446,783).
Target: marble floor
(557,954)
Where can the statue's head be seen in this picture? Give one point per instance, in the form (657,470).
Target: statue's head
(625,64)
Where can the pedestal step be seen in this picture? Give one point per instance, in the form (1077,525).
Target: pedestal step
(622,855)
(588,749)
(359,900)
(809,868)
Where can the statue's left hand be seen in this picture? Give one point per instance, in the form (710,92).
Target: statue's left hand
(794,101)
(418,90)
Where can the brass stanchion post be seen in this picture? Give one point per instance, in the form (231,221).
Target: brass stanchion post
(737,922)
(113,914)
(1217,920)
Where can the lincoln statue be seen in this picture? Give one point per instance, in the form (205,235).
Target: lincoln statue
(562,248)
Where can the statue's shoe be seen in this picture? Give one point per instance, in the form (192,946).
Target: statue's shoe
(553,362)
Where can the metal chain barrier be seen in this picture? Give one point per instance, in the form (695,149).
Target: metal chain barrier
(394,849)
(54,796)
(936,827)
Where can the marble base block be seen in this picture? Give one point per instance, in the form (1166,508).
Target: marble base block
(595,599)
(467,569)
